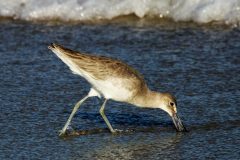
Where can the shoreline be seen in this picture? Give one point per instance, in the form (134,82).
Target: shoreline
(128,20)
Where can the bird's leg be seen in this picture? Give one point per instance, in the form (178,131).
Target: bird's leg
(62,132)
(105,118)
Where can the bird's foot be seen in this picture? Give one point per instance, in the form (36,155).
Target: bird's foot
(62,133)
(116,131)
(65,131)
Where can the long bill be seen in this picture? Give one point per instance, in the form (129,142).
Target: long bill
(178,123)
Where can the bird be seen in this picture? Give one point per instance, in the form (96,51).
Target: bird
(112,79)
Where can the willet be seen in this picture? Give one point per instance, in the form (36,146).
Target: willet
(115,80)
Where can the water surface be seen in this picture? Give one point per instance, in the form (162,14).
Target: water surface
(199,64)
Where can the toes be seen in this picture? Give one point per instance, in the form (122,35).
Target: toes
(62,133)
(116,131)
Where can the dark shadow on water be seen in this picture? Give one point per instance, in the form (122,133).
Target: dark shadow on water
(76,133)
(227,125)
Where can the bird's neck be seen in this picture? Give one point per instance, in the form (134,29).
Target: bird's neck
(148,99)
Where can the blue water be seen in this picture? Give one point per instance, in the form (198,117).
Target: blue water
(199,64)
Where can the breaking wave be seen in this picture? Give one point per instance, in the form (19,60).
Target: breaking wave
(200,11)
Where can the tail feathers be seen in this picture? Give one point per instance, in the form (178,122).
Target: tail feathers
(67,51)
(65,55)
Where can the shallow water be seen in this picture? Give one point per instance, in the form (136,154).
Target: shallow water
(199,64)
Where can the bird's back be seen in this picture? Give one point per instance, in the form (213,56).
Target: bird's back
(109,76)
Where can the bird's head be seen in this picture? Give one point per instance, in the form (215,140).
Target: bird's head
(168,103)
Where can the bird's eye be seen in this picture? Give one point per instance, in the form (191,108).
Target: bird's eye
(171,104)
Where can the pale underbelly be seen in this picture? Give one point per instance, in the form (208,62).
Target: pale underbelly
(113,88)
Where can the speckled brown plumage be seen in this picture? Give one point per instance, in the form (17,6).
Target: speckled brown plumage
(101,67)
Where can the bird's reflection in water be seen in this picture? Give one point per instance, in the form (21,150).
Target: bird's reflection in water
(132,143)
(149,145)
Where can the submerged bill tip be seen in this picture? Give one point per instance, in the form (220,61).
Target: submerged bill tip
(178,124)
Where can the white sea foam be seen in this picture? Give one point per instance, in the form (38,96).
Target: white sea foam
(201,11)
